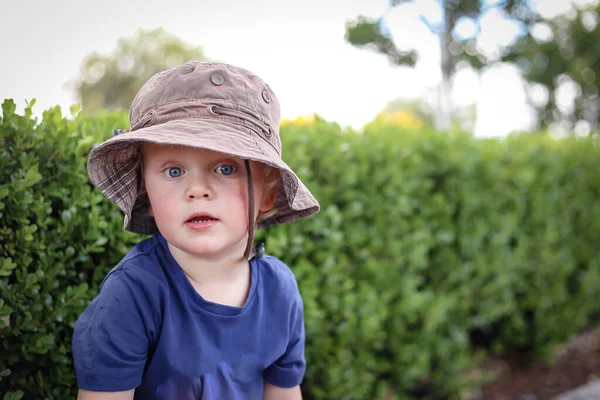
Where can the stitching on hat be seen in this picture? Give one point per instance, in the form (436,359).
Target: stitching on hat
(226,118)
(233,121)
(199,116)
(246,90)
(266,132)
(266,139)
(256,143)
(204,100)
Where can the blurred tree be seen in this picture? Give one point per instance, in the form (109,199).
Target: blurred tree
(364,32)
(111,81)
(560,60)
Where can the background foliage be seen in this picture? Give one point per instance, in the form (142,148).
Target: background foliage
(558,54)
(431,251)
(374,34)
(58,236)
(111,81)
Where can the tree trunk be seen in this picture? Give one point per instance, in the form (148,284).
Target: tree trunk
(447,68)
(591,113)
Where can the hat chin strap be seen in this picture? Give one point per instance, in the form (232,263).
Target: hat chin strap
(248,253)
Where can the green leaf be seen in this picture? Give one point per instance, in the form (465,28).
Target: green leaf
(5,311)
(74,108)
(8,108)
(32,176)
(7,264)
(14,395)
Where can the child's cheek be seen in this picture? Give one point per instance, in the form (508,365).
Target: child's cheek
(166,201)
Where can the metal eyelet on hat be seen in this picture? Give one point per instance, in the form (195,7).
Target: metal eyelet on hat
(266,96)
(217,79)
(212,111)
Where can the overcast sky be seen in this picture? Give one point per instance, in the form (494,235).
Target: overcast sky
(297,47)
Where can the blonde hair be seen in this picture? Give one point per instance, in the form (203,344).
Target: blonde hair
(271,179)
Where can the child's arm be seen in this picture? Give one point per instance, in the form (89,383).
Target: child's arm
(112,338)
(273,392)
(283,377)
(87,395)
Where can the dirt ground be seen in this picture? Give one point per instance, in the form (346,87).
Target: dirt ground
(578,363)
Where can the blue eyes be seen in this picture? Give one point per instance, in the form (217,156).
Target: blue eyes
(225,169)
(173,172)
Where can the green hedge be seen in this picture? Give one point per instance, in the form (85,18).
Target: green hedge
(431,251)
(59,237)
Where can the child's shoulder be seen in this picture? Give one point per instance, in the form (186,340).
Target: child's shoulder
(275,267)
(276,275)
(141,264)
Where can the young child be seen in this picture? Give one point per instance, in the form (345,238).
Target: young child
(195,312)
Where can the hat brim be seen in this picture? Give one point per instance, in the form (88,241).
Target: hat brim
(113,166)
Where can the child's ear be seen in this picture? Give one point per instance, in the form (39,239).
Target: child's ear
(268,200)
(150,212)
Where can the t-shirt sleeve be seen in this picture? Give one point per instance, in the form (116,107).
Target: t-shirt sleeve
(288,370)
(113,335)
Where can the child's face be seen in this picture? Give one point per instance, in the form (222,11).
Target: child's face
(199,198)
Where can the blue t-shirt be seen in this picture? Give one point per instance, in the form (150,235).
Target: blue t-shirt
(149,329)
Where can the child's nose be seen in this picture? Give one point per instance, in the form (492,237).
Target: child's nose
(199,188)
(192,196)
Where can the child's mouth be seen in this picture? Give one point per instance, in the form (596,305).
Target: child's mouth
(201,221)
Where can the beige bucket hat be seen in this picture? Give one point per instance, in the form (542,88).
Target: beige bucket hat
(213,106)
